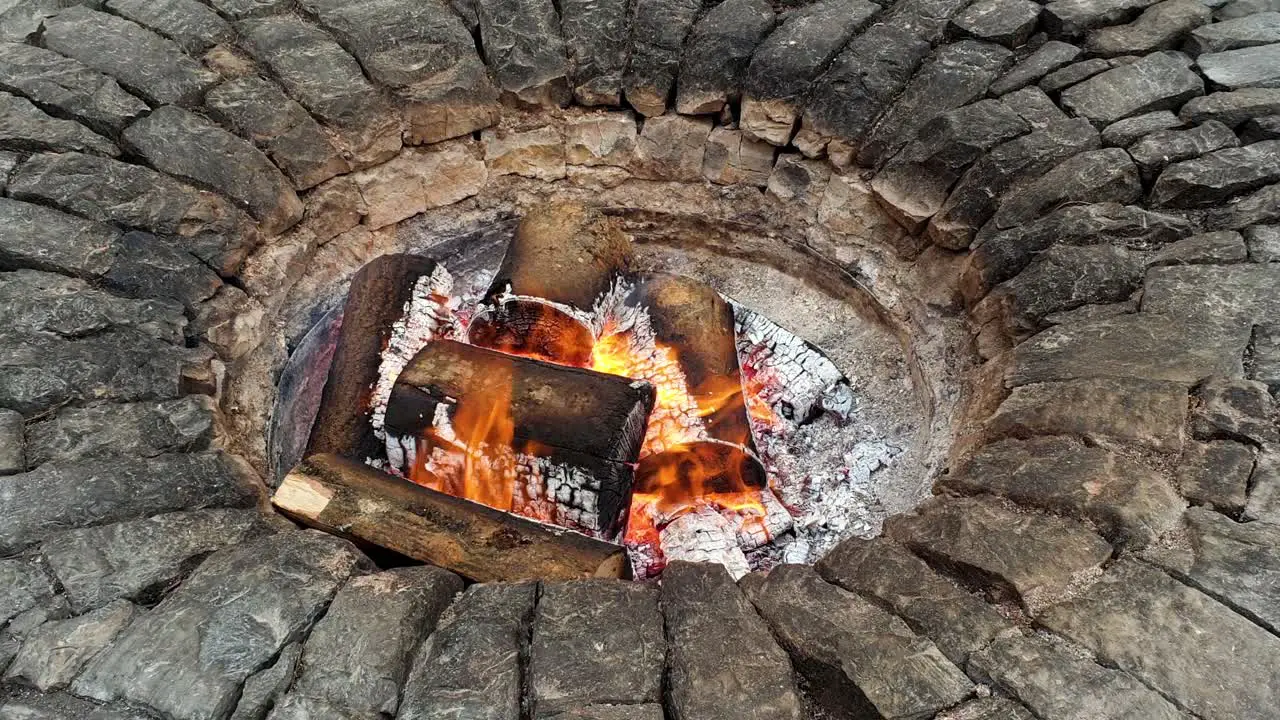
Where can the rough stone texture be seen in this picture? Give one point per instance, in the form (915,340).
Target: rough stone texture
(43,502)
(192,25)
(1263,242)
(142,429)
(188,657)
(281,128)
(13,457)
(1008,22)
(1216,473)
(1242,8)
(658,32)
(603,139)
(1259,129)
(1029,556)
(417,180)
(1243,68)
(1098,176)
(1248,31)
(671,147)
(52,81)
(1160,27)
(1234,408)
(25,585)
(956,75)
(1124,133)
(317,72)
(537,154)
(717,52)
(1034,106)
(1160,81)
(596,37)
(988,708)
(523,47)
(614,712)
(732,159)
(1145,345)
(1046,59)
(595,642)
(358,655)
(265,688)
(59,706)
(723,663)
(1204,249)
(33,301)
(239,9)
(1264,493)
(859,659)
(957,621)
(1069,18)
(1259,207)
(1232,108)
(974,198)
(1216,176)
(1074,73)
(788,60)
(1130,503)
(1055,682)
(24,127)
(144,63)
(797,179)
(1159,149)
(470,667)
(1146,623)
(177,142)
(54,653)
(1243,293)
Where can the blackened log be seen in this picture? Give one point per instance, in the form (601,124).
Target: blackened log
(350,499)
(376,300)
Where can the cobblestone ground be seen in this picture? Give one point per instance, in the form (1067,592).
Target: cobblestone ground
(1098,180)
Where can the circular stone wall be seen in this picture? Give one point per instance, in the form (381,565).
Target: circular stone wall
(1056,236)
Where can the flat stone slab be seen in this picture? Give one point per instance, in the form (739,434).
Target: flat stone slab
(597,38)
(188,657)
(732,159)
(1209,180)
(60,706)
(952,617)
(139,559)
(1123,133)
(722,662)
(194,26)
(1008,22)
(1159,81)
(1247,67)
(1095,176)
(1232,108)
(1160,27)
(1264,493)
(1144,622)
(26,584)
(717,52)
(1159,149)
(13,452)
(1245,293)
(54,653)
(1073,17)
(1237,409)
(672,147)
(143,429)
(1248,31)
(1130,503)
(1054,681)
(470,667)
(53,81)
(1216,473)
(25,127)
(1046,59)
(43,502)
(658,32)
(1214,248)
(595,642)
(857,657)
(32,301)
(525,50)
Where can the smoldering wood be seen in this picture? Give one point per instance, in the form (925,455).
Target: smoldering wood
(351,499)
(374,302)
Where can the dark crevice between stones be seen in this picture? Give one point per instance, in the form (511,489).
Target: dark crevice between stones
(1224,599)
(525,655)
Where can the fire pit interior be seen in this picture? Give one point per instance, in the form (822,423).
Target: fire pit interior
(615,399)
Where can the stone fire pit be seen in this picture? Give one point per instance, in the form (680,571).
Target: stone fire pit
(1042,241)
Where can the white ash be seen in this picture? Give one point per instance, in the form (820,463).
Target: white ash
(506,297)
(704,536)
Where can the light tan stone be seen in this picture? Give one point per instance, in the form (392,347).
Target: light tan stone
(731,159)
(671,147)
(600,139)
(769,121)
(537,154)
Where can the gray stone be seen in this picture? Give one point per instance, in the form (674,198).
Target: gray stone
(1146,623)
(1264,492)
(1244,68)
(1237,409)
(192,25)
(1248,31)
(1160,81)
(146,64)
(1216,473)
(731,159)
(25,128)
(317,72)
(957,621)
(1257,208)
(860,660)
(1242,8)
(470,667)
(524,49)
(1069,18)
(260,112)
(1247,293)
(1034,106)
(1130,503)
(797,179)
(1097,176)
(975,197)
(264,689)
(1259,129)
(53,498)
(613,712)
(956,75)
(1055,682)
(142,429)
(789,59)
(25,585)
(717,52)
(184,145)
(1008,22)
(139,559)
(1124,133)
(1160,27)
(595,642)
(148,266)
(60,706)
(1048,59)
(1232,108)
(1159,149)
(1215,248)
(1025,556)
(1145,345)
(240,9)
(52,81)
(596,37)
(988,708)
(671,147)
(21,20)
(1073,74)
(925,19)
(37,302)
(188,657)
(723,664)
(13,457)
(53,654)
(1264,243)
(658,32)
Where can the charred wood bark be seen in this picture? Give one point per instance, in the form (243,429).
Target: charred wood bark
(347,498)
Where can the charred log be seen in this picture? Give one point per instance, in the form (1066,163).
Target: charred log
(353,500)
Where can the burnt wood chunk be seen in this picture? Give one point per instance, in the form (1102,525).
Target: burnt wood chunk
(377,298)
(485,545)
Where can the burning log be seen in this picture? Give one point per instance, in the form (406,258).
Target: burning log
(563,258)
(548,441)
(347,498)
